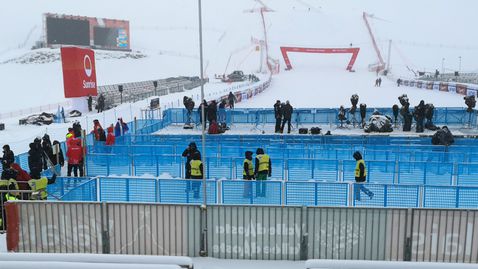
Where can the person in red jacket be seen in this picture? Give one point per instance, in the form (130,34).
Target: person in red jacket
(110,138)
(97,129)
(75,157)
(22,179)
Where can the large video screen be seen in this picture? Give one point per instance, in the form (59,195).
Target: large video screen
(110,37)
(68,31)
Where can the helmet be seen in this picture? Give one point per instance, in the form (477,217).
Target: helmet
(357,155)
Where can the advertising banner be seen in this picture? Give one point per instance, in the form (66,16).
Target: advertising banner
(430,85)
(461,89)
(452,88)
(419,84)
(470,92)
(444,87)
(79,72)
(436,86)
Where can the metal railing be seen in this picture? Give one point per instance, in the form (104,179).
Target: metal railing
(416,171)
(246,232)
(272,192)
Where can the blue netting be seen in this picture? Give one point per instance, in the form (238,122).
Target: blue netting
(467,197)
(467,174)
(186,191)
(411,172)
(316,193)
(251,192)
(439,197)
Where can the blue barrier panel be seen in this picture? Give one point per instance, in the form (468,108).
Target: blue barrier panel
(301,193)
(439,173)
(402,196)
(83,192)
(316,194)
(251,192)
(64,185)
(219,168)
(439,197)
(467,174)
(128,190)
(171,166)
(325,170)
(377,171)
(145,165)
(348,168)
(186,191)
(300,169)
(467,197)
(98,164)
(411,173)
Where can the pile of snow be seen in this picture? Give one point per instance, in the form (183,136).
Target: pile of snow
(42,56)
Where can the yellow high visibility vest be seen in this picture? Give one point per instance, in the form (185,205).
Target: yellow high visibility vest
(357,168)
(39,186)
(10,197)
(263,162)
(250,168)
(195,168)
(6,183)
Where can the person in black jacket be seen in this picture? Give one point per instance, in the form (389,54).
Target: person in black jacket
(8,157)
(202,106)
(35,158)
(101,103)
(47,151)
(287,111)
(189,153)
(278,116)
(90,103)
(231,99)
(58,158)
(419,115)
(212,112)
(360,177)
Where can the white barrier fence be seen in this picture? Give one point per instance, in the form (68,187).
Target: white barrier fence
(93,260)
(351,264)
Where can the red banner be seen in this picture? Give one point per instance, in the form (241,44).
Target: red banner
(79,72)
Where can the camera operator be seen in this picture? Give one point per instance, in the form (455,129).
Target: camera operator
(363,114)
(470,102)
(189,105)
(341,115)
(419,115)
(405,113)
(429,111)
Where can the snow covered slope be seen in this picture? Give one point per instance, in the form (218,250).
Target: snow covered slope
(166,32)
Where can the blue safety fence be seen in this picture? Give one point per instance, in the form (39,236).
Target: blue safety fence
(84,191)
(450,197)
(316,194)
(270,192)
(240,192)
(381,172)
(64,185)
(155,190)
(441,116)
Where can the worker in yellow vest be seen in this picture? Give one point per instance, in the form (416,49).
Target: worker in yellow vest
(263,169)
(197,173)
(360,177)
(5,197)
(248,174)
(38,185)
